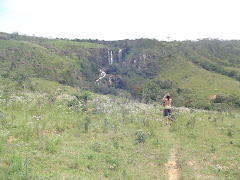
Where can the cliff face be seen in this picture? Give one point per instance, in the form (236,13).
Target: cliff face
(120,62)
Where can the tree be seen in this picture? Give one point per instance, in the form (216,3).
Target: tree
(151,91)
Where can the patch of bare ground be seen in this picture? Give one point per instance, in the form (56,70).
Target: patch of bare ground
(3,164)
(172,167)
(11,139)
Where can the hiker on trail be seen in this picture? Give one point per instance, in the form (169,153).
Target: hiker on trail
(167,108)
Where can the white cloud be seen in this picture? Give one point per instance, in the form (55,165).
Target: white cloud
(125,19)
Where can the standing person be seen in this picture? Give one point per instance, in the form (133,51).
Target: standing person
(167,108)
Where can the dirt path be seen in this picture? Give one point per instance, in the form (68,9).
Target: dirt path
(171,166)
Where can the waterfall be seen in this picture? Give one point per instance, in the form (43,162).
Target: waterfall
(120,55)
(110,57)
(101,76)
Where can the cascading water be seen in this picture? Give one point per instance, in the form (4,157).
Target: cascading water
(110,57)
(101,76)
(120,55)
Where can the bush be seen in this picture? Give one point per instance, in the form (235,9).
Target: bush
(233,99)
(51,145)
(220,98)
(141,137)
(17,165)
(178,101)
(203,105)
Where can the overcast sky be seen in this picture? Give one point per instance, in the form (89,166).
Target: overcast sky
(122,19)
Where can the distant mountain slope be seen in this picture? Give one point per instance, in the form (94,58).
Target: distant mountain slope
(211,63)
(194,79)
(218,56)
(21,60)
(146,68)
(22,57)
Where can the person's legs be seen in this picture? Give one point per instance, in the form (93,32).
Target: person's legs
(164,114)
(166,117)
(169,115)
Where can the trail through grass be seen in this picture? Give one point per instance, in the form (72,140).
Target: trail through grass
(172,167)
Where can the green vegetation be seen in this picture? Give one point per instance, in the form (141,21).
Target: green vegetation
(209,144)
(145,68)
(53,125)
(74,134)
(67,133)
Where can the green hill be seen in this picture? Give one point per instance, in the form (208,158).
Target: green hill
(145,68)
(191,70)
(24,57)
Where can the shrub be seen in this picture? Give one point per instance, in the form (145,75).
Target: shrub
(96,147)
(114,163)
(220,98)
(17,165)
(51,144)
(178,101)
(87,123)
(203,105)
(141,137)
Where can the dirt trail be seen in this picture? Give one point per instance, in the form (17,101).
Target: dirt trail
(171,166)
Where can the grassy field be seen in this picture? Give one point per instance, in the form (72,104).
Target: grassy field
(70,134)
(209,144)
(43,137)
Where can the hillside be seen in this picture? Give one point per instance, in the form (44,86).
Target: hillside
(190,70)
(145,68)
(54,124)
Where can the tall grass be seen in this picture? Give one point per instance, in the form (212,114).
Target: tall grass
(57,135)
(48,138)
(209,144)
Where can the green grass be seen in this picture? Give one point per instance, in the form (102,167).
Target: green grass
(105,137)
(52,131)
(209,144)
(46,139)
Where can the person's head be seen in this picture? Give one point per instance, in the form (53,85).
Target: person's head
(168,96)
